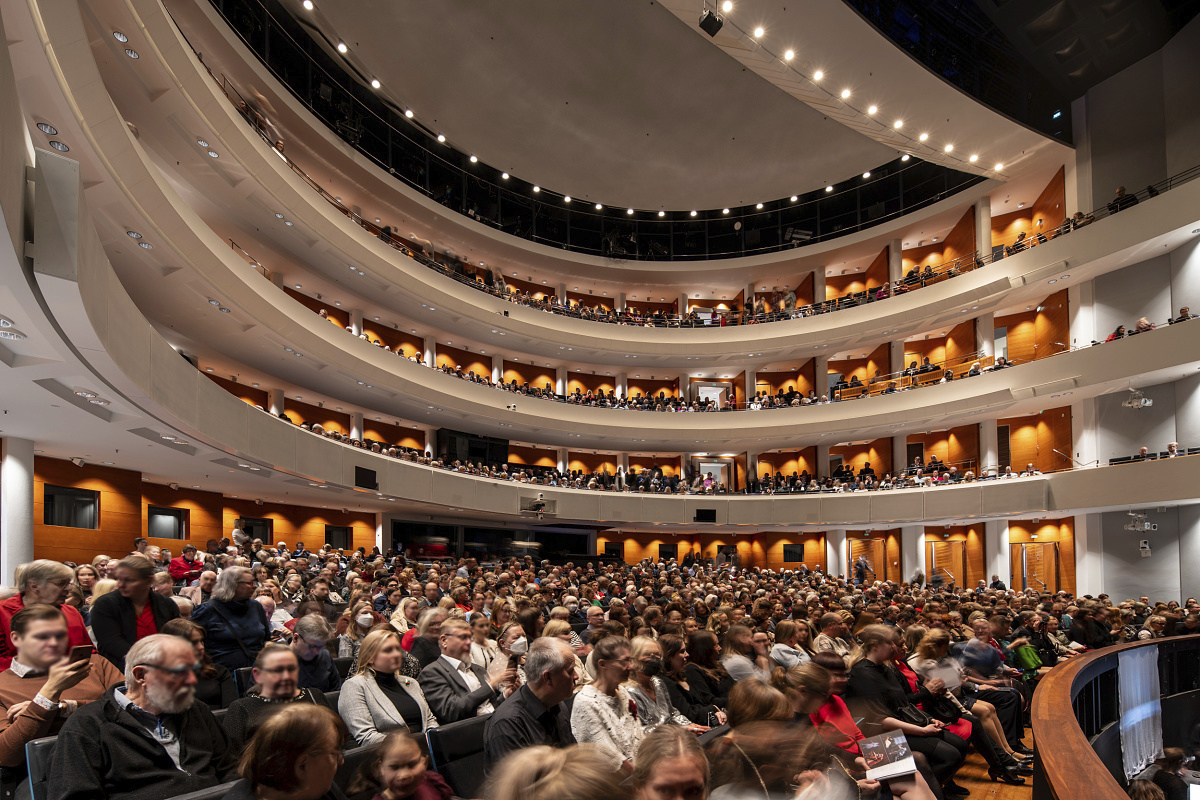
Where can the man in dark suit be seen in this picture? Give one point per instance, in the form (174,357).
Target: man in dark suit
(456,689)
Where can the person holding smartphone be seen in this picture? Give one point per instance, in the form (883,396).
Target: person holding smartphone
(47,680)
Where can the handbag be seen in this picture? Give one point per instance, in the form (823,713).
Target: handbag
(944,709)
(913,715)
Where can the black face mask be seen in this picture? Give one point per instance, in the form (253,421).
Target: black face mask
(652,667)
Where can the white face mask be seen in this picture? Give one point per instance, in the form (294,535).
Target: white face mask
(365,620)
(519,647)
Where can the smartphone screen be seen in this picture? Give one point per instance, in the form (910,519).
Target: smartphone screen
(81,653)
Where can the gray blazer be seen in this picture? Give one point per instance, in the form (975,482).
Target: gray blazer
(370,715)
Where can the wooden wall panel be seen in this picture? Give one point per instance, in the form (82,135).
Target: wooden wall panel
(878,359)
(644,545)
(856,456)
(1052,326)
(937,537)
(1060,531)
(590,383)
(804,290)
(787,462)
(841,285)
(337,315)
(1007,227)
(402,342)
(651,306)
(247,394)
(650,387)
(536,376)
(774,382)
(933,348)
(532,456)
(766,550)
(588,463)
(960,343)
(293,524)
(960,241)
(528,287)
(1034,438)
(590,301)
(307,413)
(1021,335)
(668,464)
(954,446)
(205,514)
(891,540)
(1050,208)
(457,357)
(877,271)
(393,434)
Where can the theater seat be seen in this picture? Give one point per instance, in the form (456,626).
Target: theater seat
(243,679)
(212,793)
(331,699)
(710,736)
(37,756)
(456,751)
(355,759)
(342,665)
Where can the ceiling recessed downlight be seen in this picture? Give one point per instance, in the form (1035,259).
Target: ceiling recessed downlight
(866,174)
(845,94)
(872,109)
(408,113)
(59,146)
(789,55)
(727,6)
(213,154)
(120,37)
(47,128)
(973,158)
(145,245)
(758,32)
(905,157)
(598,208)
(474,159)
(923,136)
(818,75)
(375,84)
(11,334)
(828,188)
(308,5)
(133,234)
(504,176)
(794,198)
(536,189)
(567,198)
(948,148)
(441,137)
(662,213)
(341,48)
(129,51)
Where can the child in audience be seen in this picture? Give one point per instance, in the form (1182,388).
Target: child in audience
(398,772)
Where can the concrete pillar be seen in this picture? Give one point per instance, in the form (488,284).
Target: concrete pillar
(683,304)
(275,401)
(983,226)
(497,368)
(356,425)
(751,466)
(622,384)
(985,335)
(819,285)
(899,455)
(835,552)
(623,461)
(1089,555)
(1081,311)
(562,294)
(621,301)
(1084,446)
(379,523)
(896,357)
(821,375)
(560,381)
(751,386)
(563,459)
(989,448)
(430,351)
(356,323)
(16,506)
(895,260)
(912,551)
(431,437)
(996,552)
(822,461)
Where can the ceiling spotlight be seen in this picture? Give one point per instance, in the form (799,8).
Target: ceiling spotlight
(474,159)
(898,124)
(202,143)
(342,48)
(818,75)
(758,32)
(599,207)
(11,334)
(760,205)
(536,189)
(662,213)
(213,154)
(503,176)
(872,109)
(693,213)
(948,148)
(905,157)
(59,146)
(973,159)
(308,5)
(289,223)
(375,84)
(998,167)
(120,37)
(724,210)
(98,402)
(866,174)
(133,234)
(923,136)
(47,129)
(567,199)
(828,188)
(629,211)
(145,245)
(441,137)
(789,55)
(845,93)
(132,53)
(408,113)
(794,198)
(84,393)
(727,6)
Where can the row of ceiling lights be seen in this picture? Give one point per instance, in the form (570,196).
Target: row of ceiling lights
(9,331)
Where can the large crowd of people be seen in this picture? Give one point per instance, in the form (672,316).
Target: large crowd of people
(592,676)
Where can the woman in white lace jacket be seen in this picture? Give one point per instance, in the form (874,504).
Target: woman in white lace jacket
(604,714)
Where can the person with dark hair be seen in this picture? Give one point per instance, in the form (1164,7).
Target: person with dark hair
(1165,774)
(132,612)
(399,771)
(309,641)
(709,682)
(604,714)
(214,683)
(293,756)
(670,764)
(41,688)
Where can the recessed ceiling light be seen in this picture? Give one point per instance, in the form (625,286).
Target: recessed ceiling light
(727,6)
(998,167)
(504,176)
(872,109)
(845,93)
(898,124)
(948,148)
(758,32)
(120,37)
(536,189)
(131,53)
(59,146)
(759,205)
(789,55)
(818,75)
(84,393)
(98,402)
(1020,205)
(973,159)
(794,198)
(288,222)
(341,46)
(133,234)
(375,84)
(441,137)
(168,438)
(598,207)
(308,5)
(866,174)
(224,310)
(474,159)
(629,211)
(408,113)
(724,210)
(905,157)
(923,136)
(278,215)
(11,333)
(213,154)
(47,129)
(693,213)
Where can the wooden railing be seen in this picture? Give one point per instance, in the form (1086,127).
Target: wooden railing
(1076,706)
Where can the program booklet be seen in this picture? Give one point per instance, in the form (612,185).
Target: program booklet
(887,755)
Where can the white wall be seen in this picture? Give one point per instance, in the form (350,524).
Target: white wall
(1185,274)
(1181,76)
(1139,290)
(1127,574)
(1187,411)
(1121,431)
(1189,549)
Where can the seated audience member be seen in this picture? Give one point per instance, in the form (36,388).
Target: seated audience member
(1140,789)
(535,714)
(399,771)
(1173,450)
(709,683)
(162,584)
(275,685)
(1165,773)
(1119,333)
(41,582)
(130,613)
(832,635)
(1121,201)
(237,626)
(202,591)
(146,739)
(309,639)
(186,568)
(670,764)
(786,652)
(1142,325)
(1185,314)
(1143,454)
(293,756)
(483,649)
(649,691)
(429,629)
(41,688)
(358,624)
(603,713)
(184,605)
(456,689)
(544,773)
(377,701)
(214,684)
(738,655)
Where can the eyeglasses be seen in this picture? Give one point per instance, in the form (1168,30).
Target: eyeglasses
(176,672)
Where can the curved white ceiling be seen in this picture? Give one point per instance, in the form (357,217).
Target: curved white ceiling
(614,102)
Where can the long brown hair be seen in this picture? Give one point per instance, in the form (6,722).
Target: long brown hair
(702,650)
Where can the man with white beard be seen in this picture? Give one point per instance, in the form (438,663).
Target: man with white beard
(146,740)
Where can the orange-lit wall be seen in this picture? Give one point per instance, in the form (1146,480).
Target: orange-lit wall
(533,457)
(395,434)
(864,368)
(1060,531)
(651,388)
(1035,437)
(590,383)
(856,456)
(247,394)
(668,464)
(787,462)
(536,376)
(470,362)
(1033,334)
(959,242)
(935,537)
(402,342)
(301,413)
(336,315)
(775,382)
(953,446)
(591,301)
(588,463)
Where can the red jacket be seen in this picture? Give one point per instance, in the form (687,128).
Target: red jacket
(183,570)
(76,631)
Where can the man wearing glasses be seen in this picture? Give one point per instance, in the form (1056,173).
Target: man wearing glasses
(317,671)
(146,739)
(456,689)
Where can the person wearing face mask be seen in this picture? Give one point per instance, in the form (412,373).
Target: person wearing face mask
(354,628)
(276,670)
(604,714)
(649,691)
(456,689)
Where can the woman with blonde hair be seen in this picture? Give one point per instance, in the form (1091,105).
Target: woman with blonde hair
(579,772)
(648,689)
(483,649)
(354,627)
(377,699)
(405,615)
